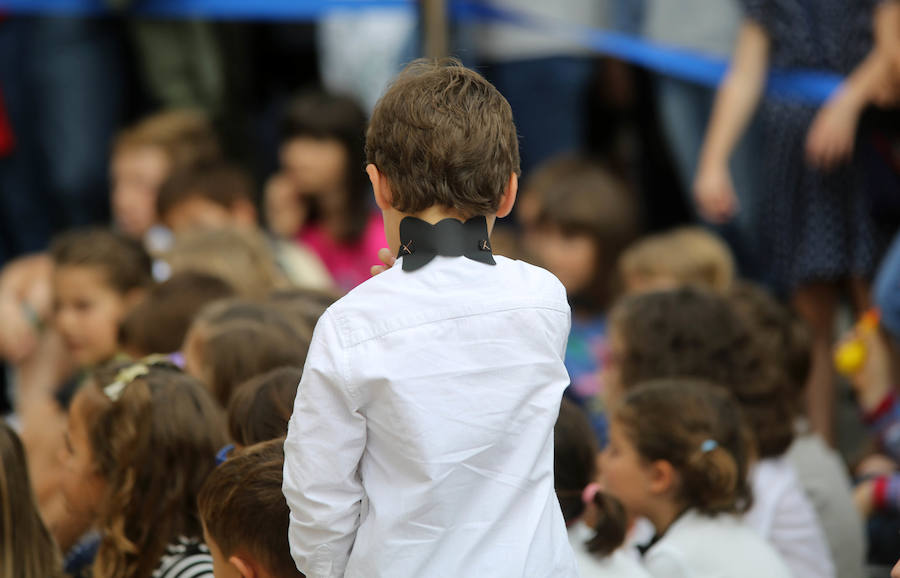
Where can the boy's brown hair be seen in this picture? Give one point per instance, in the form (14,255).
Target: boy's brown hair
(686,256)
(154,432)
(244,510)
(261,408)
(220,183)
(696,334)
(443,135)
(124,261)
(185,136)
(160,321)
(672,419)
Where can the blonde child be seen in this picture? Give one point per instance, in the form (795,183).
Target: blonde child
(678,456)
(682,256)
(141,440)
(579,218)
(692,333)
(245,516)
(596,522)
(27,549)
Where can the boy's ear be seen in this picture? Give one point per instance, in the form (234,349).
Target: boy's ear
(508,199)
(380,187)
(244,566)
(663,476)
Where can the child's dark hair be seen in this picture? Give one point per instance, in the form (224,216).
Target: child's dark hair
(160,321)
(154,432)
(693,333)
(581,197)
(238,340)
(323,116)
(220,183)
(261,408)
(443,135)
(783,337)
(575,467)
(244,510)
(123,261)
(699,429)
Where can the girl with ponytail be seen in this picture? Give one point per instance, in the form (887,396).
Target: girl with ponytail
(596,522)
(678,456)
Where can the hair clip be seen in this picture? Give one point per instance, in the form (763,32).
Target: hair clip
(591,490)
(708,446)
(125,376)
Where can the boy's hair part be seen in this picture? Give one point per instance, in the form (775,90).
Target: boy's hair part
(672,419)
(160,321)
(220,183)
(443,135)
(696,334)
(244,510)
(261,408)
(124,261)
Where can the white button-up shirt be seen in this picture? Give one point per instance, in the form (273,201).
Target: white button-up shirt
(421,443)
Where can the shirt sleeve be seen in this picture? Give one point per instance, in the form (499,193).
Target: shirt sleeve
(798,536)
(325,441)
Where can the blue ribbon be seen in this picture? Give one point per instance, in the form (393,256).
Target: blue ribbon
(208,9)
(806,86)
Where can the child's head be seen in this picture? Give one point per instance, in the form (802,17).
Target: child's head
(233,341)
(782,336)
(691,333)
(146,154)
(207,197)
(575,471)
(323,154)
(98,276)
(160,321)
(441,136)
(141,440)
(677,443)
(260,409)
(243,258)
(26,548)
(585,218)
(302,307)
(683,256)
(245,516)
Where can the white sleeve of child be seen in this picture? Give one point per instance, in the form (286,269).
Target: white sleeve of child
(325,441)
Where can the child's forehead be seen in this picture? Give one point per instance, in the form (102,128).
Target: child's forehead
(93,274)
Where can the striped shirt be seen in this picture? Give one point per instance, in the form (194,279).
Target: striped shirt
(186,558)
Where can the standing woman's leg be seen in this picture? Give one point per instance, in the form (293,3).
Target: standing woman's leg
(817,304)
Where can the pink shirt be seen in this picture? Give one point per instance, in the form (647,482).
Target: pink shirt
(349,263)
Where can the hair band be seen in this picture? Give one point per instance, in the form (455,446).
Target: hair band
(590,490)
(126,375)
(708,446)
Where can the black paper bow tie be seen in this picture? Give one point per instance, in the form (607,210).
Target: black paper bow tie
(420,242)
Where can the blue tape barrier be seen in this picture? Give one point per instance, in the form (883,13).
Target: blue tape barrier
(210,9)
(807,86)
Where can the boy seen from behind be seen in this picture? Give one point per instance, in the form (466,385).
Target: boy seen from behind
(421,442)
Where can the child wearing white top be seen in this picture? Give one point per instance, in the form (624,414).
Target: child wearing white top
(677,456)
(595,520)
(421,442)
